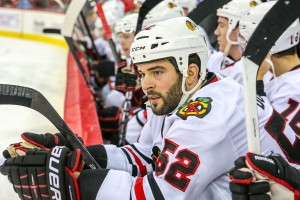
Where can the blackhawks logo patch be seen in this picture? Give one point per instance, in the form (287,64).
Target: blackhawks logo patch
(199,107)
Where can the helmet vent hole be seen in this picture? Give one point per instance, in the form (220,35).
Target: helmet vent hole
(143,37)
(153,46)
(164,43)
(158,38)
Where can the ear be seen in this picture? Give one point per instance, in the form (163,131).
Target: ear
(193,76)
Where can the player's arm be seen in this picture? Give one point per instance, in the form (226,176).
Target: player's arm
(134,158)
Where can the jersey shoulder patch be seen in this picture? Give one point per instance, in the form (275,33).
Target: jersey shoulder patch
(199,107)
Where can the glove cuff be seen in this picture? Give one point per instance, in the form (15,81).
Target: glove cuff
(62,183)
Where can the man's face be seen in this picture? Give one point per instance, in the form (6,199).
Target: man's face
(125,40)
(162,84)
(221,32)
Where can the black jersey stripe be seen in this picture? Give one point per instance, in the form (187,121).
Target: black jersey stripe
(134,167)
(148,160)
(155,188)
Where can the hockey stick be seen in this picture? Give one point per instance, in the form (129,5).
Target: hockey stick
(204,14)
(72,13)
(274,23)
(107,32)
(90,35)
(60,3)
(30,98)
(144,10)
(205,8)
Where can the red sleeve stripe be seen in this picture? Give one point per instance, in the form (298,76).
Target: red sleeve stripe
(142,168)
(139,190)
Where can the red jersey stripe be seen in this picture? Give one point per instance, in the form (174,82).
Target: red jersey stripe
(142,167)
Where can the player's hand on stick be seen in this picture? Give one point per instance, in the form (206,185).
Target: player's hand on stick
(257,177)
(43,174)
(36,141)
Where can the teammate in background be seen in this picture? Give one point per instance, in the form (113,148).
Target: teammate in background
(282,90)
(284,97)
(227,60)
(192,123)
(127,79)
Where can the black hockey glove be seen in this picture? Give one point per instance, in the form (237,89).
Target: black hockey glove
(257,177)
(126,79)
(45,174)
(105,69)
(46,140)
(109,119)
(36,141)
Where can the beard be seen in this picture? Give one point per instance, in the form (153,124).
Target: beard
(169,101)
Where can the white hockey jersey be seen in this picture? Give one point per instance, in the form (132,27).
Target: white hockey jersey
(198,145)
(218,63)
(284,95)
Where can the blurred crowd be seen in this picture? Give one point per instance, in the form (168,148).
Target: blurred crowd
(52,5)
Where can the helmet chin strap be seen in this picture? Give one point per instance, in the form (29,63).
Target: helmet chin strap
(186,94)
(229,43)
(226,49)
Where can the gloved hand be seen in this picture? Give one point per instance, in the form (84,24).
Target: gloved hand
(256,177)
(109,119)
(126,79)
(42,174)
(105,69)
(34,141)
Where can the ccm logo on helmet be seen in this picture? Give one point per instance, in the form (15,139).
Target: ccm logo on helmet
(138,48)
(53,173)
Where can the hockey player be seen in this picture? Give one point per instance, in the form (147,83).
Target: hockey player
(195,129)
(280,90)
(283,97)
(227,60)
(126,78)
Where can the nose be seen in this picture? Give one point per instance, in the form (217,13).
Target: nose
(217,32)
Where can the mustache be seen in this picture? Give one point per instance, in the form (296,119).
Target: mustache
(152,92)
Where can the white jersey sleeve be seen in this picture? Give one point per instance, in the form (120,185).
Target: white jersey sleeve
(218,63)
(135,126)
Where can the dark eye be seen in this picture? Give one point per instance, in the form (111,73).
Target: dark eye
(157,72)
